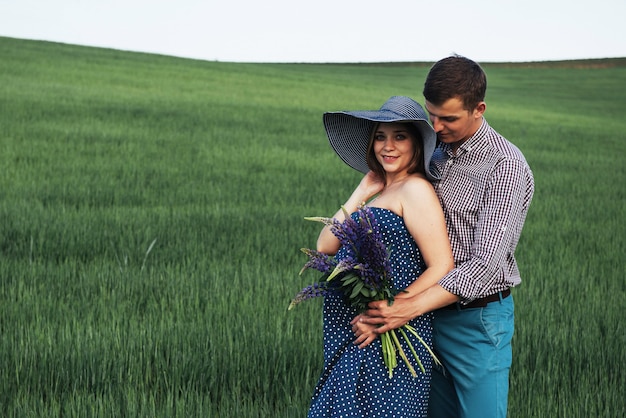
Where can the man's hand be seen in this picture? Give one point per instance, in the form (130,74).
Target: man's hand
(387,317)
(405,307)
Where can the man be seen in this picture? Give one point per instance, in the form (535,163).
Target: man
(485,189)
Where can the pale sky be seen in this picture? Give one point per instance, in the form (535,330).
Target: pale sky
(329,30)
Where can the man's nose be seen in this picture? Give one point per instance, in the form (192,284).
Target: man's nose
(436,122)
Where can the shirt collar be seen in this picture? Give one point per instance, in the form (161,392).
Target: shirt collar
(471,143)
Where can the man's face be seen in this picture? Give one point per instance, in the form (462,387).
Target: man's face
(453,123)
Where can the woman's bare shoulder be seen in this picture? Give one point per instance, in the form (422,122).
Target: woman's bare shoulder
(417,182)
(418,193)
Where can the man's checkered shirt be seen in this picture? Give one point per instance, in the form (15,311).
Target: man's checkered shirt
(485,191)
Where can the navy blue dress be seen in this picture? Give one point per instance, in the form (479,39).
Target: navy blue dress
(355,382)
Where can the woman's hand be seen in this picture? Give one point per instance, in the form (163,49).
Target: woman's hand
(369,186)
(364,333)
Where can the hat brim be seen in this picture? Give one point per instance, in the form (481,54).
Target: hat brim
(349,135)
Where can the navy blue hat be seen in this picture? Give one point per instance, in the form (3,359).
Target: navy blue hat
(349,132)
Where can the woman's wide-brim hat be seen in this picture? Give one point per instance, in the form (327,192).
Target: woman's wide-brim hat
(349,132)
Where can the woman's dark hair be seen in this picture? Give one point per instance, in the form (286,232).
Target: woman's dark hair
(456,76)
(417,162)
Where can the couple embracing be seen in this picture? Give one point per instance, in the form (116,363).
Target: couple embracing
(450,198)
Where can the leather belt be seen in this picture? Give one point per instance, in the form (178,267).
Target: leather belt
(482,302)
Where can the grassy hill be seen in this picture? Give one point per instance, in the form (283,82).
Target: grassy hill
(151,218)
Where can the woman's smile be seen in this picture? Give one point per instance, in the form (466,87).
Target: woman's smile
(389,159)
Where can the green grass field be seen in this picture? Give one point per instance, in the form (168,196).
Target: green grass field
(151,216)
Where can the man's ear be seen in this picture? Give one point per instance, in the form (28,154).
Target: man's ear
(479,110)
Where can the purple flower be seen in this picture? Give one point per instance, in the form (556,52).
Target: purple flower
(363,273)
(371,278)
(347,264)
(318,261)
(347,232)
(312,291)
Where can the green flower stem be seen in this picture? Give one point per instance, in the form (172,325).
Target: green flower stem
(389,353)
(414,332)
(415,356)
(402,353)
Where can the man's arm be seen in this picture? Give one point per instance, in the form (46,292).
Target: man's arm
(495,234)
(406,307)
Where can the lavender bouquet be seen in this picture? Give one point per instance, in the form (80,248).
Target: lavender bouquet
(363,275)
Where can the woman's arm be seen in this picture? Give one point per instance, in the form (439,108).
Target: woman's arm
(369,186)
(425,222)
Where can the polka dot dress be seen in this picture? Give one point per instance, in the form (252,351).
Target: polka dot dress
(355,382)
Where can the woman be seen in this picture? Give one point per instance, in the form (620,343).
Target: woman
(393,146)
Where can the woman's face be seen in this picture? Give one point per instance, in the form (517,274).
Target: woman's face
(394,147)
